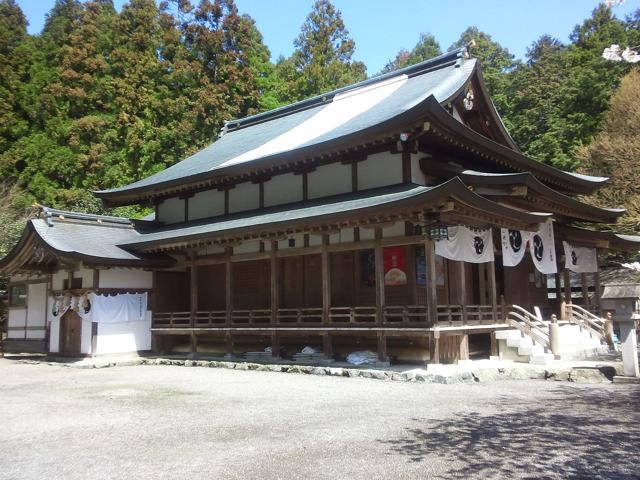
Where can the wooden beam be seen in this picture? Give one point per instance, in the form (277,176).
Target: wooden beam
(326,279)
(464,347)
(275,345)
(379,267)
(430,270)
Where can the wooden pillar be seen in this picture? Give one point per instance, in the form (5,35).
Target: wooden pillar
(492,288)
(229,345)
(494,345)
(464,347)
(434,347)
(559,293)
(275,283)
(584,283)
(430,271)
(567,294)
(411,274)
(327,345)
(326,279)
(275,345)
(228,284)
(597,287)
(379,266)
(382,347)
(193,299)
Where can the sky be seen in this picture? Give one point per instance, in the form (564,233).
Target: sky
(381,28)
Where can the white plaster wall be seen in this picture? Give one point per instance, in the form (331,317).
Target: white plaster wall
(379,170)
(315,240)
(417,176)
(344,236)
(85,340)
(57,280)
(17,318)
(37,309)
(125,278)
(171,210)
(252,246)
(245,196)
(367,233)
(331,179)
(87,277)
(206,204)
(281,189)
(54,334)
(396,230)
(124,337)
(211,250)
(456,114)
(284,244)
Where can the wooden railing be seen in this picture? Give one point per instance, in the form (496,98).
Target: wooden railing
(528,324)
(391,316)
(586,319)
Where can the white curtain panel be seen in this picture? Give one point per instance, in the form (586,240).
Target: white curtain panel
(542,249)
(514,246)
(120,308)
(580,259)
(464,244)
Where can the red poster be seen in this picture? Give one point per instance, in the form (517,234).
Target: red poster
(395,266)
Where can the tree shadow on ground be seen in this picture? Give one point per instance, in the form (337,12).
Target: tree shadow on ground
(580,433)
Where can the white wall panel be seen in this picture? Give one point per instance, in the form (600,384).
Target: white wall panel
(171,210)
(245,196)
(281,189)
(124,337)
(206,204)
(379,170)
(125,278)
(17,318)
(327,180)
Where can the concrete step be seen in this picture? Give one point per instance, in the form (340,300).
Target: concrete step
(507,334)
(530,350)
(543,359)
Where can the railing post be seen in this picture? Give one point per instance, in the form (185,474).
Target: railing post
(608,330)
(554,337)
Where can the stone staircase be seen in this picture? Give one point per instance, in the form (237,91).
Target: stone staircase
(580,337)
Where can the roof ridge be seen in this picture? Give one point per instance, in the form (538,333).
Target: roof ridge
(425,66)
(49,213)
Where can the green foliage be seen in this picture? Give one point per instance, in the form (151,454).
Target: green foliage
(495,60)
(322,60)
(615,151)
(426,48)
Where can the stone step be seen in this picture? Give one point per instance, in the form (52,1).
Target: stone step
(506,334)
(543,359)
(530,350)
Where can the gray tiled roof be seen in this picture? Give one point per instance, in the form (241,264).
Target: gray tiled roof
(440,78)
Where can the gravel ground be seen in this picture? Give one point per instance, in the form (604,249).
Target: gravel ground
(177,422)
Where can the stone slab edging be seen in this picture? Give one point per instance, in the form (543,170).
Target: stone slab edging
(581,374)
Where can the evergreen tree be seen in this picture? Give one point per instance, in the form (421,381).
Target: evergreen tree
(323,56)
(496,62)
(426,48)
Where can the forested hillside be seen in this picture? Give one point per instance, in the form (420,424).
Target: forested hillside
(102,98)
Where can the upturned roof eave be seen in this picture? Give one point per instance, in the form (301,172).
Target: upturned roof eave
(516,160)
